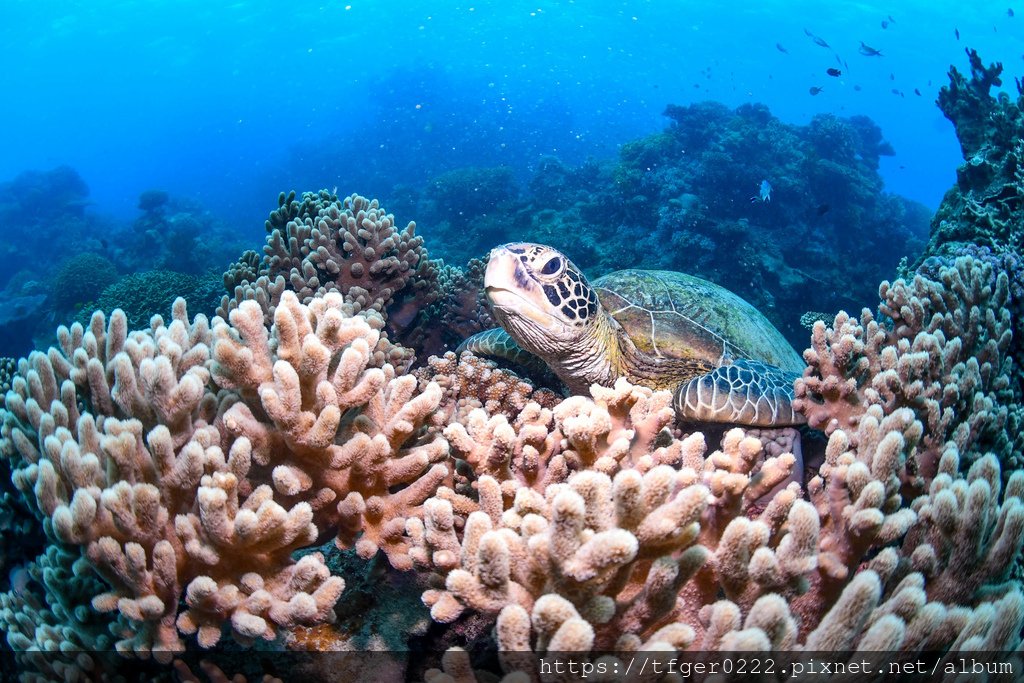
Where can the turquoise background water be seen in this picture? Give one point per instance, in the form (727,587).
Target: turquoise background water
(231,102)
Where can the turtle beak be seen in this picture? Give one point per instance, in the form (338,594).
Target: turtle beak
(509,287)
(505,280)
(503,270)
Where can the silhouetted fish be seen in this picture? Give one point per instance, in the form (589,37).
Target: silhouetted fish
(817,40)
(885,23)
(892,77)
(956,32)
(823,209)
(891,20)
(1009,12)
(834,72)
(917,92)
(869,51)
(764,192)
(857,88)
(778,46)
(814,90)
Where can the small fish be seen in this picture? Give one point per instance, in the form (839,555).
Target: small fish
(894,91)
(956,32)
(823,209)
(1009,12)
(917,92)
(885,23)
(817,40)
(892,77)
(857,88)
(814,90)
(891,20)
(764,194)
(834,72)
(778,46)
(869,51)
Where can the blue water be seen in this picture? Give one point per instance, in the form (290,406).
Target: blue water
(230,103)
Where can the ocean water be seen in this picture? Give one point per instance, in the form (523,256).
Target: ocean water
(223,101)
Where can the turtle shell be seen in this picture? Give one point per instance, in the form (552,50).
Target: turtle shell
(676,315)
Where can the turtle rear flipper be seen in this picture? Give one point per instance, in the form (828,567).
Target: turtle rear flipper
(746,392)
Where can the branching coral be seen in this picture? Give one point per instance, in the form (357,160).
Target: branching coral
(8,366)
(175,470)
(323,408)
(112,437)
(319,244)
(909,540)
(470,382)
(619,538)
(943,356)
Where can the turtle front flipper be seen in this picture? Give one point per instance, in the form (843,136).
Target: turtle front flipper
(745,392)
(497,343)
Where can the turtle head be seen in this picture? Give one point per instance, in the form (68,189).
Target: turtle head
(539,297)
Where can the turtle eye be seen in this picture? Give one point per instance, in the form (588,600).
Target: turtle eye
(552,266)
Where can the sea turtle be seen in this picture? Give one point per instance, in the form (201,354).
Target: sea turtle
(659,329)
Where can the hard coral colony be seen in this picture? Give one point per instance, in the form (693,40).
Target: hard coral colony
(175,470)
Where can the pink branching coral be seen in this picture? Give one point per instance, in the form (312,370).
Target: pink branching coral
(140,481)
(943,356)
(901,544)
(470,382)
(322,408)
(175,470)
(319,243)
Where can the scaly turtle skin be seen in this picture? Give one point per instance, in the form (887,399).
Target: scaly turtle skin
(658,329)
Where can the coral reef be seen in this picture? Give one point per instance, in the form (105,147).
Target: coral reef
(79,279)
(984,207)
(680,200)
(174,471)
(279,476)
(112,441)
(924,356)
(468,383)
(176,234)
(318,244)
(143,295)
